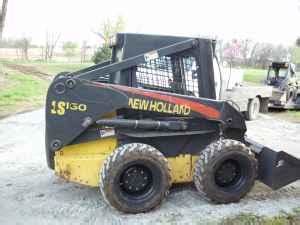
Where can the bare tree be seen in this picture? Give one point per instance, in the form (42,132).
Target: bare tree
(83,51)
(246,46)
(69,49)
(263,55)
(3,16)
(232,52)
(51,42)
(280,53)
(23,45)
(109,28)
(106,32)
(251,61)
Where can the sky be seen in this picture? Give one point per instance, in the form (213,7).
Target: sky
(276,21)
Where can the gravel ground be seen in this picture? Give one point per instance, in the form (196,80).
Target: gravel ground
(32,194)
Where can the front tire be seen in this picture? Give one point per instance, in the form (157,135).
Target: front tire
(135,178)
(225,171)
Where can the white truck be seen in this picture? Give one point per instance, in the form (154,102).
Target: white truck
(247,98)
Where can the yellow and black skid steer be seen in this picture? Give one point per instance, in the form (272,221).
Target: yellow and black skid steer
(149,119)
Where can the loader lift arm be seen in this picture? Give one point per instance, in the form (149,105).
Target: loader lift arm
(135,60)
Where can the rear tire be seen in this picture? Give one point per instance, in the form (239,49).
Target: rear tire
(253,109)
(264,105)
(225,171)
(135,178)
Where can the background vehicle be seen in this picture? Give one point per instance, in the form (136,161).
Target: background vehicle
(149,119)
(282,77)
(248,99)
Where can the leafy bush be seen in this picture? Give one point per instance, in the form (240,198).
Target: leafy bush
(103,54)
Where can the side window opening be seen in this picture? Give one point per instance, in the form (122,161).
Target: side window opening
(170,74)
(190,76)
(155,74)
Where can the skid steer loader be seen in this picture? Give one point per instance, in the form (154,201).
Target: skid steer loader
(148,119)
(285,82)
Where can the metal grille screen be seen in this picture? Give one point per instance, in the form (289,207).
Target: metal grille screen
(158,74)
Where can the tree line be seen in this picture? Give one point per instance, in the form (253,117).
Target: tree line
(106,32)
(70,48)
(235,52)
(250,53)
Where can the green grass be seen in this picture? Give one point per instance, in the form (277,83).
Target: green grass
(251,219)
(22,87)
(21,92)
(255,75)
(54,68)
(291,115)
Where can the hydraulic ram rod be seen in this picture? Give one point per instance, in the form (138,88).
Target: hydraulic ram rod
(144,124)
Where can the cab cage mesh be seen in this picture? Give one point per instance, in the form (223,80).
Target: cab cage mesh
(172,75)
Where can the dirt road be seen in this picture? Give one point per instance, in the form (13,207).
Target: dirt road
(32,194)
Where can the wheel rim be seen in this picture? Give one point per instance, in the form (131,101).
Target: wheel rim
(136,181)
(229,174)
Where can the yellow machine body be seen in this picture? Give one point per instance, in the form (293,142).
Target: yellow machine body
(81,163)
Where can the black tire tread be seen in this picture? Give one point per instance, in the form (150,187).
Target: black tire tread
(205,158)
(129,151)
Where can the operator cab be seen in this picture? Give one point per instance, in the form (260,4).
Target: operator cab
(193,71)
(184,72)
(278,72)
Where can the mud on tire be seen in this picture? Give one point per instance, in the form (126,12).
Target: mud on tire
(135,178)
(225,171)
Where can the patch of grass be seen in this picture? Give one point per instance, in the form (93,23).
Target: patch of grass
(293,115)
(255,75)
(20,92)
(290,115)
(54,68)
(243,219)
(23,87)
(251,219)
